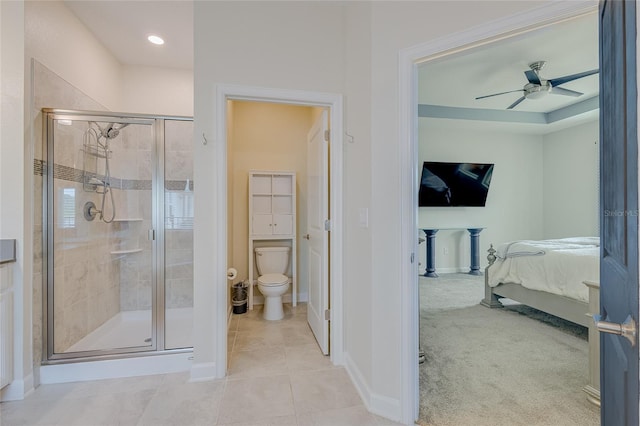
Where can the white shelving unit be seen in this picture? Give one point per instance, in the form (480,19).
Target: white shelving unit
(272,217)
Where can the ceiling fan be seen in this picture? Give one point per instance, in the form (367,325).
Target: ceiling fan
(537,87)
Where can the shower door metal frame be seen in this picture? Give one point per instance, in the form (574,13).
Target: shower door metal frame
(157,234)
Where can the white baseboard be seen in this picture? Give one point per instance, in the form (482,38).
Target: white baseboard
(386,407)
(203,371)
(377,404)
(116,368)
(17,390)
(358,381)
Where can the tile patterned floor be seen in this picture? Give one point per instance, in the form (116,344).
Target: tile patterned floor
(276,377)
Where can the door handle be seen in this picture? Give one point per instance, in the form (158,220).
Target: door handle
(627,329)
(305,236)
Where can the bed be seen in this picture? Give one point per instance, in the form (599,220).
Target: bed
(556,276)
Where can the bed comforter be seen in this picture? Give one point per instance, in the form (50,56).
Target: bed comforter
(557,266)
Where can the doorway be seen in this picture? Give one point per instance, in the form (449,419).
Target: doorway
(277,174)
(410,59)
(226,95)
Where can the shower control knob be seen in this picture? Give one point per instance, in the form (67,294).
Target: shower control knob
(90,211)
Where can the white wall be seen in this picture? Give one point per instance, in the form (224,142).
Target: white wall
(515,200)
(302,46)
(358,244)
(14,189)
(543,186)
(161,91)
(58,40)
(571,182)
(397,26)
(289,45)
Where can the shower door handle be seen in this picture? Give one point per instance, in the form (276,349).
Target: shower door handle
(151,235)
(306,236)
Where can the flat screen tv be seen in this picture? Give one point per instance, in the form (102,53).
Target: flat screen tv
(454,184)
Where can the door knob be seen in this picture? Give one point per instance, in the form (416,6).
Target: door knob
(627,329)
(305,236)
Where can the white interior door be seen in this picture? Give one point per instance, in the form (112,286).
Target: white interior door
(317,237)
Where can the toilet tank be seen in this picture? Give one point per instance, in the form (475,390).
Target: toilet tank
(272,260)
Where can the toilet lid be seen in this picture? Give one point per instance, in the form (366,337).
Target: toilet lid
(272,279)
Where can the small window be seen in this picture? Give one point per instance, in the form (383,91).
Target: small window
(68,208)
(178,209)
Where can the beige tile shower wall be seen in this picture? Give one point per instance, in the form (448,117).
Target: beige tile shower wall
(131,166)
(135,268)
(179,270)
(179,150)
(86,275)
(49,91)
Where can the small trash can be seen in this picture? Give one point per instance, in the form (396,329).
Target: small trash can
(239,297)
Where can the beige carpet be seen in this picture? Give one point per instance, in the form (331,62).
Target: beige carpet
(510,366)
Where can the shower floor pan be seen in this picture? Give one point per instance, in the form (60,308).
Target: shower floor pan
(132,329)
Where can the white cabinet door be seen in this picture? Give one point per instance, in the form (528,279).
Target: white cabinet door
(262,224)
(282,224)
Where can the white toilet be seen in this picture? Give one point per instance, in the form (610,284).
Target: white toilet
(272,264)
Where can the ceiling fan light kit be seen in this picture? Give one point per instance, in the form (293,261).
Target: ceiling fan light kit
(536,91)
(538,87)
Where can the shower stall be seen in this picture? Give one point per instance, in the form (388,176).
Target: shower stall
(118,235)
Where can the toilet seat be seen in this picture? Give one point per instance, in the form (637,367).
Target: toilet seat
(273,280)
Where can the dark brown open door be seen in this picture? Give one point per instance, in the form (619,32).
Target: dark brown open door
(619,211)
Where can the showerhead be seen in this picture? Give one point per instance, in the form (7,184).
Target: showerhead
(113,130)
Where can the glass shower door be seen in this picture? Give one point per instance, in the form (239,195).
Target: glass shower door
(100,243)
(178,233)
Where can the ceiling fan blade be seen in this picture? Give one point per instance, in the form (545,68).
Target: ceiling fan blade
(566,92)
(501,93)
(532,77)
(567,78)
(513,105)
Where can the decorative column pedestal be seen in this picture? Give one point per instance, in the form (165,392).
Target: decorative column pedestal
(474,236)
(431,253)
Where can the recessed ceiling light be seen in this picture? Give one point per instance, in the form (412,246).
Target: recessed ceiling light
(155,39)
